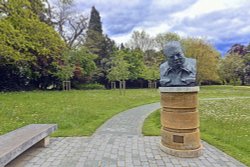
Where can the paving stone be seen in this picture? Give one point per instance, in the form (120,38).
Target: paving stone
(118,142)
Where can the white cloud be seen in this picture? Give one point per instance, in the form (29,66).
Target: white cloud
(207,6)
(122,38)
(220,21)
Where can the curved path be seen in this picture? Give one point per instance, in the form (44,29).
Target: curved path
(118,142)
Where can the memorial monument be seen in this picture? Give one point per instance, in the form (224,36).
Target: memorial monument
(180,135)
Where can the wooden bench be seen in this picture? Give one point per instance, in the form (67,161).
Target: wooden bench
(16,142)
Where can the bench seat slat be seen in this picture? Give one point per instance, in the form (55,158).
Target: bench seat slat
(15,142)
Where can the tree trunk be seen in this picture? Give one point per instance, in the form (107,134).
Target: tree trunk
(113,85)
(149,84)
(66,85)
(124,87)
(155,84)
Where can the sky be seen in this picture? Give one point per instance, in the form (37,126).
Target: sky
(221,22)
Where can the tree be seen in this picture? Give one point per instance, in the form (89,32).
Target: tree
(77,59)
(69,23)
(231,68)
(42,9)
(243,53)
(134,59)
(246,60)
(152,57)
(207,59)
(95,40)
(141,40)
(162,38)
(29,49)
(119,69)
(101,45)
(151,74)
(238,49)
(80,63)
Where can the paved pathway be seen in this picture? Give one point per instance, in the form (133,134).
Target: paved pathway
(118,143)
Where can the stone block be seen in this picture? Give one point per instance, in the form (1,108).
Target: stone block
(44,142)
(16,142)
(179,100)
(180,120)
(181,140)
(180,135)
(182,153)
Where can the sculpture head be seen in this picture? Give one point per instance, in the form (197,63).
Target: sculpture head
(174,54)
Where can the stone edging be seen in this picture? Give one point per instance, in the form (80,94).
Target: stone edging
(179,89)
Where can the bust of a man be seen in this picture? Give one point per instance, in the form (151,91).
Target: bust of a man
(177,70)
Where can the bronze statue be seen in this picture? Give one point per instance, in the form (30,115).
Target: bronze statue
(177,70)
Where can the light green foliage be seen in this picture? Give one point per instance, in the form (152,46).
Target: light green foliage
(80,58)
(150,73)
(77,113)
(84,58)
(207,58)
(134,58)
(27,42)
(224,115)
(162,38)
(41,9)
(153,58)
(152,61)
(119,69)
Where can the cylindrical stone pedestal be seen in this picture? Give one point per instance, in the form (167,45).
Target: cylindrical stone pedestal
(180,135)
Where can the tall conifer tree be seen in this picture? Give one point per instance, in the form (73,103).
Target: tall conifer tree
(99,44)
(95,40)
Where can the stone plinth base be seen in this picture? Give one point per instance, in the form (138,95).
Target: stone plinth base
(182,153)
(180,135)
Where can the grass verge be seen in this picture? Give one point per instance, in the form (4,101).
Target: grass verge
(224,122)
(77,113)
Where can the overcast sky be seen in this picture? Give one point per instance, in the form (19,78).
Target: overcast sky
(222,22)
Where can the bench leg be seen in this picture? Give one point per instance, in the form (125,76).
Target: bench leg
(43,143)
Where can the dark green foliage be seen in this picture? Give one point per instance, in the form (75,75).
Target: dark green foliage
(100,45)
(89,86)
(95,40)
(77,63)
(95,21)
(39,9)
(236,65)
(30,50)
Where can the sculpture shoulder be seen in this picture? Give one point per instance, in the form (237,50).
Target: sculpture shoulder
(164,65)
(191,62)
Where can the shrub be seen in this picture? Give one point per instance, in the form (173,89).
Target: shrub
(90,86)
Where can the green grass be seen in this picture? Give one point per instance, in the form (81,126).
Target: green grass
(77,113)
(224,91)
(225,123)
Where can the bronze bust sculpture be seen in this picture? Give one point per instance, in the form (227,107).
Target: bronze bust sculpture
(177,70)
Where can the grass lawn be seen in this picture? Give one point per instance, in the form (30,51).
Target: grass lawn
(77,113)
(225,123)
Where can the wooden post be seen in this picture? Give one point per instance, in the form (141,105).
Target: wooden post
(113,85)
(66,85)
(149,84)
(155,84)
(124,87)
